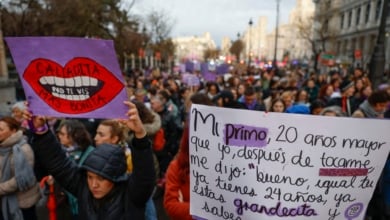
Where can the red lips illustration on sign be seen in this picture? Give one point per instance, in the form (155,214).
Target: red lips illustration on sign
(82,85)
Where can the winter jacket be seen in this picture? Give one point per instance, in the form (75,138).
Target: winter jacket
(177,193)
(27,198)
(125,201)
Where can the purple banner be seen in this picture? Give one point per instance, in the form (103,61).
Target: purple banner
(189,66)
(70,77)
(222,69)
(209,76)
(243,135)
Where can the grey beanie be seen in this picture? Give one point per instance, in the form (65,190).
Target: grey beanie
(108,161)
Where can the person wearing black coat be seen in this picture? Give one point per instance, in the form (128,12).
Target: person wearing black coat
(101,185)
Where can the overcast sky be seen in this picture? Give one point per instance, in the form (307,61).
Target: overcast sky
(219,17)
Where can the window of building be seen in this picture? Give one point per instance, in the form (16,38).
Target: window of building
(326,25)
(367,15)
(342,20)
(349,18)
(378,9)
(358,11)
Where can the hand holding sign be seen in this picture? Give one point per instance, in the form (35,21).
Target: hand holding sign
(134,122)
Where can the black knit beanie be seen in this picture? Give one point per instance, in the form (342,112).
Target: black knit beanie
(108,161)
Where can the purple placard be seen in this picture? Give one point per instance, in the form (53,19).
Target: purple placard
(209,76)
(204,67)
(70,77)
(244,135)
(189,66)
(223,69)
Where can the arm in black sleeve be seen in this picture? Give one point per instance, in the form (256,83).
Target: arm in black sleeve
(50,154)
(142,180)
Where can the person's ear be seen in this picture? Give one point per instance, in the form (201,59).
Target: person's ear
(115,139)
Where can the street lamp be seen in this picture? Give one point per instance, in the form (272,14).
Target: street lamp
(276,36)
(249,43)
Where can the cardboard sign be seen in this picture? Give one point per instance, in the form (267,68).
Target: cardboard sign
(70,77)
(256,165)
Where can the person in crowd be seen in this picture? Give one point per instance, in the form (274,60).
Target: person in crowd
(326,92)
(335,81)
(177,186)
(333,110)
(345,100)
(111,131)
(225,98)
(363,94)
(250,99)
(374,107)
(165,96)
(76,141)
(184,93)
(288,98)
(302,97)
(311,89)
(140,95)
(102,186)
(152,123)
(212,89)
(17,113)
(317,106)
(379,205)
(19,189)
(277,105)
(172,127)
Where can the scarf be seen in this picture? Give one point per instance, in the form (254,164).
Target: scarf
(368,111)
(24,176)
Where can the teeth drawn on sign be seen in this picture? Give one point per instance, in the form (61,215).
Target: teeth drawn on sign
(82,85)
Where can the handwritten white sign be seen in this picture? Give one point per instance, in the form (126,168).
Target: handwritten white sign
(257,165)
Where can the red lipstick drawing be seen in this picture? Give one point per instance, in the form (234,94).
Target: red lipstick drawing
(81,86)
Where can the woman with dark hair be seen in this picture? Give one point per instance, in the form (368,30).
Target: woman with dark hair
(177,186)
(19,190)
(277,105)
(102,186)
(77,143)
(74,137)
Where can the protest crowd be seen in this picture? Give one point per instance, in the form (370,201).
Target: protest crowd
(87,168)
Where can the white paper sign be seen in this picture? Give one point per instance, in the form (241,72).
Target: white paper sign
(256,165)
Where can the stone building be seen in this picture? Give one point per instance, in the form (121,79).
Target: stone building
(355,25)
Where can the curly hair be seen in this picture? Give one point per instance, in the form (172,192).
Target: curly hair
(117,129)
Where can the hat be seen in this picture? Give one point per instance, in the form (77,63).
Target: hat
(346,84)
(108,161)
(298,109)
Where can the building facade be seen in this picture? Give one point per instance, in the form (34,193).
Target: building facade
(291,44)
(192,47)
(356,26)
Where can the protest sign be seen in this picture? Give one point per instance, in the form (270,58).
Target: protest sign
(70,77)
(257,165)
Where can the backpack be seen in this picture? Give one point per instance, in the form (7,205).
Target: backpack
(159,140)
